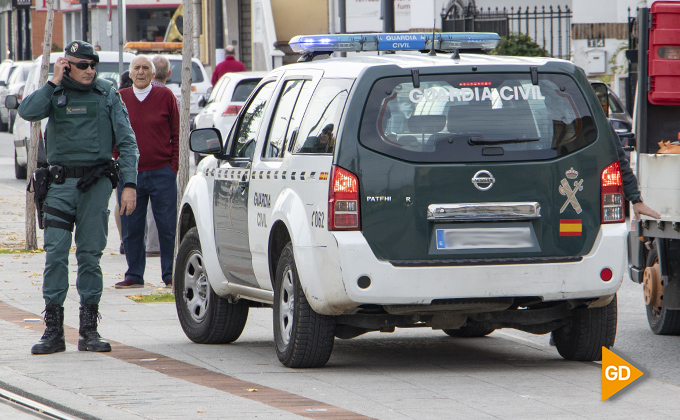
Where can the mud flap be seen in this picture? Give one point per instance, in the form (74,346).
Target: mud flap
(636,254)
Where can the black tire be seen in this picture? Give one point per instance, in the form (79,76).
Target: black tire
(470,329)
(205,317)
(587,331)
(304,338)
(3,126)
(664,321)
(20,172)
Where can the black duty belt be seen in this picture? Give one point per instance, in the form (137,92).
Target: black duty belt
(78,171)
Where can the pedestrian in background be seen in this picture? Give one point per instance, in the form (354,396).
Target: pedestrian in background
(86,116)
(155,120)
(229,65)
(163,72)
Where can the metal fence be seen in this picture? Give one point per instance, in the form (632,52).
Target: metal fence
(548,27)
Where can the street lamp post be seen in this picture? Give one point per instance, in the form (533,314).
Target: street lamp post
(84,19)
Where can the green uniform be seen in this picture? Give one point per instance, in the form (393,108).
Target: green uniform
(80,134)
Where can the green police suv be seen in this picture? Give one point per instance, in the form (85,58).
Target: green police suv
(458,191)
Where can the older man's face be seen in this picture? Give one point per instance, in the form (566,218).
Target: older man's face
(141,73)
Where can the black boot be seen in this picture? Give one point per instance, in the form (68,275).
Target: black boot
(52,340)
(90,340)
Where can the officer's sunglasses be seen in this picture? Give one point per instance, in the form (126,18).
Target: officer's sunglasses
(83,65)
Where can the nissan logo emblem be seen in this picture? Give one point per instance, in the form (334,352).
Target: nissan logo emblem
(483,180)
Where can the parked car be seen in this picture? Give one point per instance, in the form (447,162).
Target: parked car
(107,69)
(5,71)
(464,193)
(619,118)
(15,86)
(200,82)
(225,101)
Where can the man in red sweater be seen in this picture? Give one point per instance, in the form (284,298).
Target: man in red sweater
(229,65)
(154,117)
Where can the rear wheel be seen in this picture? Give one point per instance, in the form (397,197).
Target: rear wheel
(304,338)
(19,171)
(470,329)
(662,321)
(206,318)
(586,332)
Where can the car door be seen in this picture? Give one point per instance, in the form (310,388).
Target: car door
(231,192)
(268,180)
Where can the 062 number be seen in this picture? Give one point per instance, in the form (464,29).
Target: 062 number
(318,219)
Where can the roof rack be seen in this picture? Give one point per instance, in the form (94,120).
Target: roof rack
(313,45)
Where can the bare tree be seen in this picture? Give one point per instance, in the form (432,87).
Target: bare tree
(31,238)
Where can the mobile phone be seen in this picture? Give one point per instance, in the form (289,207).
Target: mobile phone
(67,69)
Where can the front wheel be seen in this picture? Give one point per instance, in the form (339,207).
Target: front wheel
(20,172)
(586,332)
(304,338)
(662,321)
(205,317)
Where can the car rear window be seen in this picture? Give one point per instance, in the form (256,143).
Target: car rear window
(481,117)
(176,76)
(244,89)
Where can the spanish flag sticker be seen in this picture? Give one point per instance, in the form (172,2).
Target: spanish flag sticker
(571,227)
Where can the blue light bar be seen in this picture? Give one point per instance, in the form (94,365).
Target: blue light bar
(445,41)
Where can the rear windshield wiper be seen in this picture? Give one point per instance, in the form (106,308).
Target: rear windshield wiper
(481,140)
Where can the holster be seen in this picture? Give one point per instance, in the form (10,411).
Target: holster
(109,170)
(38,185)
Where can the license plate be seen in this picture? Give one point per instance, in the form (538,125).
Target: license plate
(484,238)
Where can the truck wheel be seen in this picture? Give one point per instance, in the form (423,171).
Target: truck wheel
(586,332)
(470,329)
(662,321)
(20,172)
(304,338)
(206,318)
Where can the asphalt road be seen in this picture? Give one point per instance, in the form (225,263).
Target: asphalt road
(410,374)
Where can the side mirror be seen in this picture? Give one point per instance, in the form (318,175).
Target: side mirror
(206,140)
(11,102)
(201,102)
(603,95)
(3,83)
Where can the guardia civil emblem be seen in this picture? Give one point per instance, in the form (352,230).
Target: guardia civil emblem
(566,190)
(74,47)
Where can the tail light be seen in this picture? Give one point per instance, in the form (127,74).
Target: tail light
(231,110)
(612,194)
(343,200)
(21,93)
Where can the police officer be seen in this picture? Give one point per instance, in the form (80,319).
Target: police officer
(86,119)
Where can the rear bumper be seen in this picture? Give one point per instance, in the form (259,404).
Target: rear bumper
(332,288)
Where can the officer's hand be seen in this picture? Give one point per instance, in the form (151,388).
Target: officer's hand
(61,64)
(642,208)
(128,201)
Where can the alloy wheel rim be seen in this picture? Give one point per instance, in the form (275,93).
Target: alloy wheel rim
(195,293)
(286,305)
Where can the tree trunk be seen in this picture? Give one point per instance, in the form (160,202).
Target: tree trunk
(185,108)
(32,161)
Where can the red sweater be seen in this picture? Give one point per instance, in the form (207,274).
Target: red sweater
(155,122)
(229,65)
